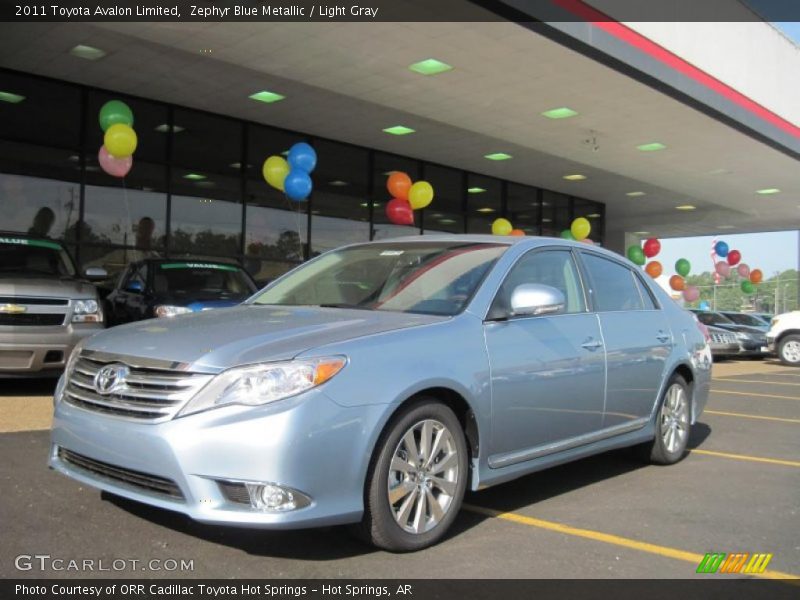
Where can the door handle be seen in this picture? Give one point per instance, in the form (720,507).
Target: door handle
(662,337)
(592,345)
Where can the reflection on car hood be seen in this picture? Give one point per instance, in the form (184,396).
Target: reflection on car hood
(47,287)
(739,328)
(248,334)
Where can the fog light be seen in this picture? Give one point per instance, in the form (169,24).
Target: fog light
(274,498)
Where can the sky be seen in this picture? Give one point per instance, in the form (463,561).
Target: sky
(770,252)
(790,29)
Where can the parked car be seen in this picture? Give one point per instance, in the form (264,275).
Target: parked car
(164,287)
(749,319)
(724,343)
(376,383)
(752,341)
(45,307)
(783,337)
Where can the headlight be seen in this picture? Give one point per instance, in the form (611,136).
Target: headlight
(166,310)
(261,384)
(86,311)
(743,336)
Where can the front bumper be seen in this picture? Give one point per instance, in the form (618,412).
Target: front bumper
(40,351)
(308,443)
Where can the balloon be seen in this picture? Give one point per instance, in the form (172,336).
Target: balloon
(748,287)
(275,170)
(420,195)
(723,268)
(580,228)
(113,112)
(116,167)
(302,157)
(398,185)
(654,269)
(120,140)
(691,293)
(587,241)
(743,270)
(756,276)
(399,212)
(651,247)
(567,235)
(682,267)
(677,283)
(734,256)
(635,255)
(502,227)
(721,249)
(517,232)
(704,305)
(297,185)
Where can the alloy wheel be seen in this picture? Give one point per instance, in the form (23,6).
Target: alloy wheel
(675,419)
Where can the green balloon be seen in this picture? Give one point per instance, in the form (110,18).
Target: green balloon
(682,267)
(748,287)
(567,235)
(113,112)
(636,255)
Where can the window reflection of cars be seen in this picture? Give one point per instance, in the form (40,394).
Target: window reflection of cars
(374,384)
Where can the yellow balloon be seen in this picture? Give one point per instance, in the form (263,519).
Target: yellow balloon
(420,195)
(120,140)
(581,228)
(502,227)
(275,170)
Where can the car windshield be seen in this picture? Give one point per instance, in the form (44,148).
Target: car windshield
(423,277)
(744,319)
(201,280)
(712,318)
(34,257)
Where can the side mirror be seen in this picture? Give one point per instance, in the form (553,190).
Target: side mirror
(533,299)
(95,273)
(134,286)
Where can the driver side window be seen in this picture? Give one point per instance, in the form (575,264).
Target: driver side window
(555,268)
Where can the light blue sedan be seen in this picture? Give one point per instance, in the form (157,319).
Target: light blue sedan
(376,383)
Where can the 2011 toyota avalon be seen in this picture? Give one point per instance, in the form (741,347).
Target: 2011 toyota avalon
(374,384)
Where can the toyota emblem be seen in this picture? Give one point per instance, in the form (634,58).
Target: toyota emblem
(109,378)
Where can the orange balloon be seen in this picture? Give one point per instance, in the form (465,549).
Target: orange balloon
(756,276)
(677,283)
(654,269)
(398,185)
(517,232)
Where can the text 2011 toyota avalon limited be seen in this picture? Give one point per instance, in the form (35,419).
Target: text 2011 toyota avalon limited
(377,382)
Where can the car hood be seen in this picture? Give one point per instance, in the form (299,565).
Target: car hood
(47,287)
(247,334)
(739,328)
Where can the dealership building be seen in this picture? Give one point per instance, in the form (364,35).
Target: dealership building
(647,128)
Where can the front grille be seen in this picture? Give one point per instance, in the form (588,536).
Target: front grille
(136,479)
(146,393)
(234,491)
(33,300)
(32,319)
(723,338)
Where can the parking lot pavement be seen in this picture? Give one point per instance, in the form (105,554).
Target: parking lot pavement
(606,516)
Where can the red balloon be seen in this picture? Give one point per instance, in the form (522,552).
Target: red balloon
(651,247)
(398,185)
(734,256)
(399,212)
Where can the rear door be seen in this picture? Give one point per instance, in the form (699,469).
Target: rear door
(637,337)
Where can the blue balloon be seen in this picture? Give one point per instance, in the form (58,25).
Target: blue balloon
(297,185)
(704,305)
(721,248)
(302,157)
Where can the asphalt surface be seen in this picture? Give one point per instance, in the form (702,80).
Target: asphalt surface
(608,516)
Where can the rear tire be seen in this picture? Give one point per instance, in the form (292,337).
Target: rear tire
(673,424)
(789,350)
(417,478)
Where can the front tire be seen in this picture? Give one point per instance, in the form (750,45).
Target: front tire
(789,350)
(417,478)
(673,424)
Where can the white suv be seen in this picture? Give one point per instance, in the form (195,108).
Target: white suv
(784,337)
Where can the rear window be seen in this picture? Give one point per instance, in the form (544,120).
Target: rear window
(613,285)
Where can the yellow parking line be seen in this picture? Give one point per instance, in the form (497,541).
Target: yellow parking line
(755,394)
(747,457)
(745,416)
(599,536)
(754,381)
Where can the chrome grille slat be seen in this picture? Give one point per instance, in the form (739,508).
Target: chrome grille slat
(111,402)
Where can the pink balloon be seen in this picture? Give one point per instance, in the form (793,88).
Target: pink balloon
(723,268)
(587,241)
(691,293)
(116,167)
(743,270)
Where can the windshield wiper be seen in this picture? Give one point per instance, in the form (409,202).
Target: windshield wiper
(341,305)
